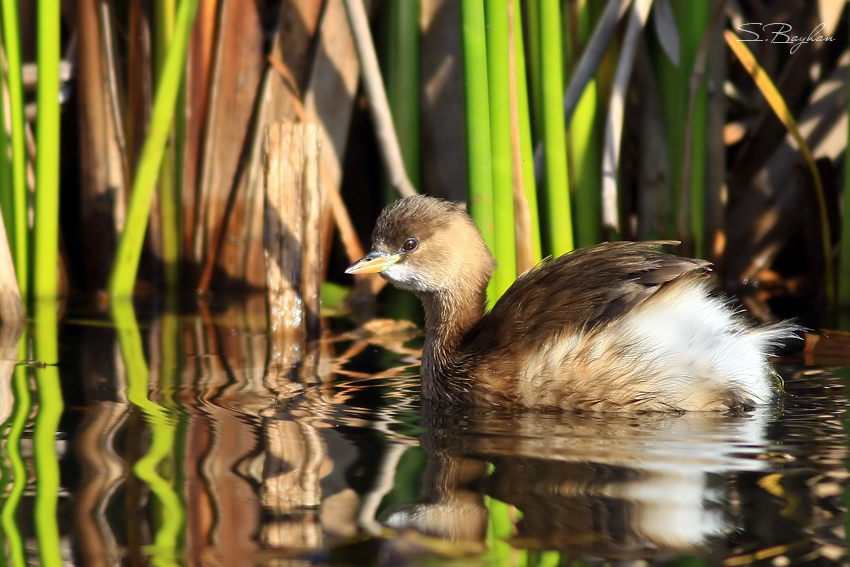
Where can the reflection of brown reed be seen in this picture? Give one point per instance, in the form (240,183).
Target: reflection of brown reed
(387,334)
(295,460)
(11,307)
(290,490)
(9,336)
(223,511)
(226,356)
(227,364)
(250,479)
(102,470)
(102,473)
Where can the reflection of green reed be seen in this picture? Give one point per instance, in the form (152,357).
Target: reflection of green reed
(50,407)
(500,528)
(503,553)
(169,370)
(549,559)
(165,549)
(18,480)
(170,352)
(408,473)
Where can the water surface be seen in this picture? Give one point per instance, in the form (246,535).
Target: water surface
(207,441)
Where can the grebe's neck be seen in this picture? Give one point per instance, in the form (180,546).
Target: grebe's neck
(449,315)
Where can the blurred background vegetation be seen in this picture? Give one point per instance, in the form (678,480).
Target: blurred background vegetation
(134,155)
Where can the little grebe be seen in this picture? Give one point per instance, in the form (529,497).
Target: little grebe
(616,326)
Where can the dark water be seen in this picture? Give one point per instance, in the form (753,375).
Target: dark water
(206,441)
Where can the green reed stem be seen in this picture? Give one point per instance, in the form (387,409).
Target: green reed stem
(477,117)
(695,24)
(674,104)
(399,33)
(17,230)
(123,275)
(560,230)
(525,135)
(674,85)
(585,136)
(46,228)
(169,196)
(532,12)
(498,73)
(697,182)
(50,408)
(162,32)
(402,80)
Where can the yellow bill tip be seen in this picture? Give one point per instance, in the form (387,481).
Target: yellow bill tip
(373,263)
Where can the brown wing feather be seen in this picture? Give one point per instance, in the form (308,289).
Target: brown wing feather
(582,289)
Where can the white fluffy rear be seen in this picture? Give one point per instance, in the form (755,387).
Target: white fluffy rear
(705,341)
(682,349)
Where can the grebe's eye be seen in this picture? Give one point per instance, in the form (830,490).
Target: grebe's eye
(409,245)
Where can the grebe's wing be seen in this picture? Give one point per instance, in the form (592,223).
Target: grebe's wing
(579,291)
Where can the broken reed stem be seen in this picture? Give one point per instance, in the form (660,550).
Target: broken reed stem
(283,233)
(293,243)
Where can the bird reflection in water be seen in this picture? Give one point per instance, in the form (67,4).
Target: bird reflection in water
(601,485)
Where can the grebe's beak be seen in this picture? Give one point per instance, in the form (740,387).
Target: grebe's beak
(373,263)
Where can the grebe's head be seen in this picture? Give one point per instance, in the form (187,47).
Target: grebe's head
(427,245)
